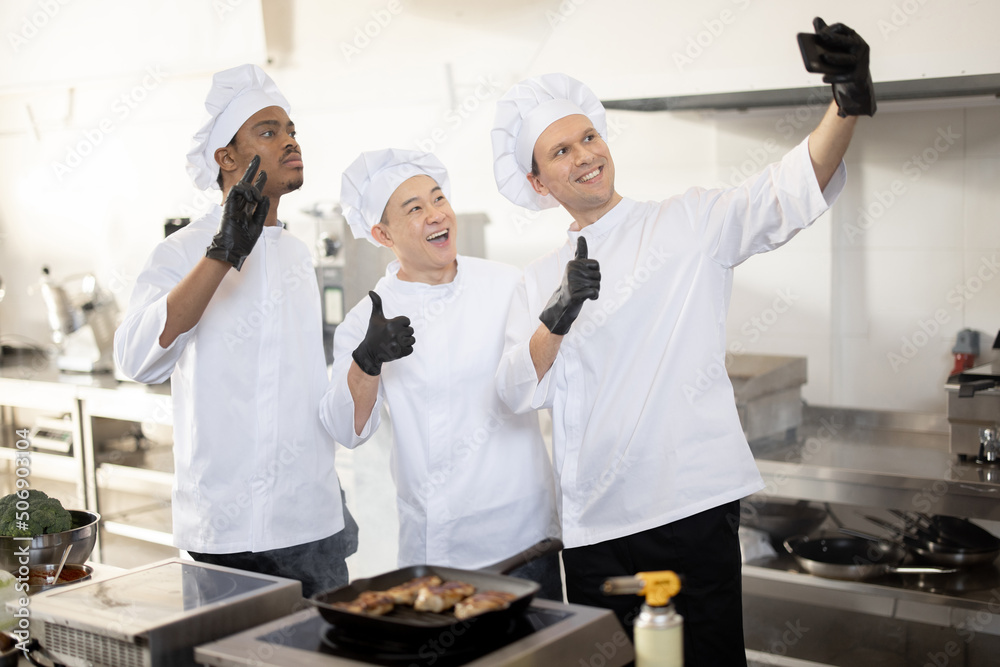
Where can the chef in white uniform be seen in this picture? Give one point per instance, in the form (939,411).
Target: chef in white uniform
(473,481)
(228,309)
(651,460)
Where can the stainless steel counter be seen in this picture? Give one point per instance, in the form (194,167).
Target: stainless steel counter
(878,459)
(865,462)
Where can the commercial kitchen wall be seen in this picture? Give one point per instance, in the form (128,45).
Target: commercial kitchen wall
(93,143)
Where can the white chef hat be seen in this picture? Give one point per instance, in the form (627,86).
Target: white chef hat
(523,113)
(236,94)
(371,179)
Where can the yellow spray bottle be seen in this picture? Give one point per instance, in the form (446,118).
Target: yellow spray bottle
(659,630)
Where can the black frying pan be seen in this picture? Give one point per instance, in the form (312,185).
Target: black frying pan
(405,625)
(851,558)
(961,532)
(934,552)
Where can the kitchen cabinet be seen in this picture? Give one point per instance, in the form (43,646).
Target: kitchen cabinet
(865,462)
(111,467)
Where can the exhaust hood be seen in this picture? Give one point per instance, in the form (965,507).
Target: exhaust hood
(964,90)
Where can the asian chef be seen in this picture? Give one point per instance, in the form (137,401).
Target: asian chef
(473,480)
(650,475)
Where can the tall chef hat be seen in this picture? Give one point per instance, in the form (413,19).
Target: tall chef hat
(372,178)
(236,94)
(523,113)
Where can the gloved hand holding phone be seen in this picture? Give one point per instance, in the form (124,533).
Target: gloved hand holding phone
(842,56)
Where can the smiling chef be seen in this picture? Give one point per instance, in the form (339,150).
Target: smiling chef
(632,310)
(473,481)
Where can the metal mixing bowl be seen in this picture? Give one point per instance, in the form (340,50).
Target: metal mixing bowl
(45,549)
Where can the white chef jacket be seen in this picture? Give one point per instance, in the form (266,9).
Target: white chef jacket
(473,481)
(253,465)
(645,428)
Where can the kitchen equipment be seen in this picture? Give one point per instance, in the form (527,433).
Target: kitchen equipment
(46,549)
(952,530)
(926,551)
(781,520)
(548,634)
(83,318)
(62,563)
(966,350)
(53,434)
(52,575)
(768,392)
(409,627)
(9,653)
(973,404)
(659,630)
(984,548)
(155,615)
(989,446)
(852,558)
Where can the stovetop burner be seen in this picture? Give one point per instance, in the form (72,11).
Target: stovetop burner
(316,635)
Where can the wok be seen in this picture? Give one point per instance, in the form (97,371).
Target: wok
(851,558)
(405,625)
(934,552)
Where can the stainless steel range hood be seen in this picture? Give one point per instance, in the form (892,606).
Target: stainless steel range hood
(985,86)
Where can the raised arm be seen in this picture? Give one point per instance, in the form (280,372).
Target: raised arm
(844,63)
(243,217)
(828,143)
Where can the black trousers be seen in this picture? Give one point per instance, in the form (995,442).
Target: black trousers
(704,549)
(320,565)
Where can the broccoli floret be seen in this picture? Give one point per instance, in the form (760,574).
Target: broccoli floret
(45,515)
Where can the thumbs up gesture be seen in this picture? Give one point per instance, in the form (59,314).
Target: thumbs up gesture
(581,281)
(386,340)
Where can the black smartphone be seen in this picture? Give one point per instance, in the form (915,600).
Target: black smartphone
(812,55)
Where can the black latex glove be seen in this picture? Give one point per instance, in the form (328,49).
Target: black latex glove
(581,281)
(243,217)
(386,340)
(852,89)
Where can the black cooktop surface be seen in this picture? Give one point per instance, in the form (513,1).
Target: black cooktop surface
(445,649)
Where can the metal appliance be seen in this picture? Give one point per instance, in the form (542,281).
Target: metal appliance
(973,405)
(329,263)
(83,318)
(549,633)
(154,616)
